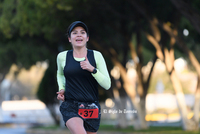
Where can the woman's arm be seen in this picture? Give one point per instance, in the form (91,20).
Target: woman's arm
(102,75)
(61,59)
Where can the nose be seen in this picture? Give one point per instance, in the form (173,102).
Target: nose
(79,34)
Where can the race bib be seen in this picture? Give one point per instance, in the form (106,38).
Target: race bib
(88,111)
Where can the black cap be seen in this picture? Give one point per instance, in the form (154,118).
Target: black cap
(75,24)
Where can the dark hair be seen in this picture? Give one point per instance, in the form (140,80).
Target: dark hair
(75,24)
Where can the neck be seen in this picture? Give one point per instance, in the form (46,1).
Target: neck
(79,52)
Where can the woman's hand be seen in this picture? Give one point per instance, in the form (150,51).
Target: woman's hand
(85,65)
(61,95)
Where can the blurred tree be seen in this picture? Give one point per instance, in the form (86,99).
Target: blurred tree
(191,11)
(166,53)
(28,36)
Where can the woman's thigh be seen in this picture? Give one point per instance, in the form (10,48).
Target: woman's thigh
(75,125)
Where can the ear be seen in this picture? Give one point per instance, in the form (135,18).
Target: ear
(69,39)
(88,38)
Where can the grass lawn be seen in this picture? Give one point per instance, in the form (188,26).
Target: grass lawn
(151,130)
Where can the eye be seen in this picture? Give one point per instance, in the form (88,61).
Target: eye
(83,32)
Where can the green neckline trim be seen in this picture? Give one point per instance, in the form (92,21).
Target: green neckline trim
(79,59)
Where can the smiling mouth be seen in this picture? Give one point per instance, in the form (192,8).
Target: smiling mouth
(79,40)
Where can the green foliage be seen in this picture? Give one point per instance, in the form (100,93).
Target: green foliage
(33,17)
(23,52)
(7,8)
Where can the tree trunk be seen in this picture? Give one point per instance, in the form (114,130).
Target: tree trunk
(120,97)
(197,106)
(187,124)
(142,92)
(120,103)
(52,111)
(131,92)
(141,113)
(195,120)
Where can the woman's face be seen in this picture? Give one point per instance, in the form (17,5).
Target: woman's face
(78,37)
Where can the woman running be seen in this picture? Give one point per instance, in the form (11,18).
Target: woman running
(79,71)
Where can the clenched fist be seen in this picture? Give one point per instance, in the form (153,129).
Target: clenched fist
(85,65)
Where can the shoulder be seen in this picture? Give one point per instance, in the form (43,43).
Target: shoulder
(98,56)
(62,55)
(97,53)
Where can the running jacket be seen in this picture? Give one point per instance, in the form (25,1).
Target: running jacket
(79,84)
